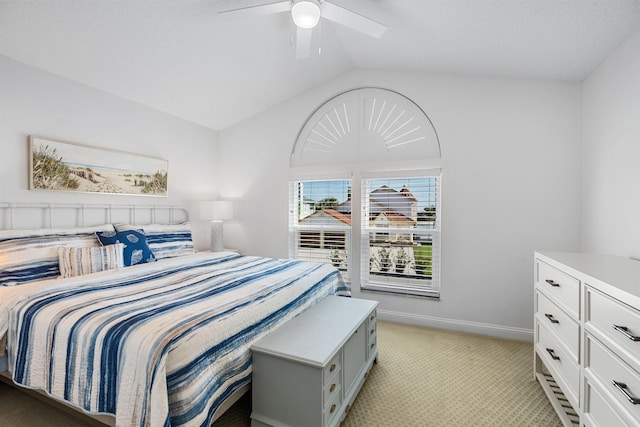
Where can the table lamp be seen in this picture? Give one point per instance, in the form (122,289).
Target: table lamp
(216,212)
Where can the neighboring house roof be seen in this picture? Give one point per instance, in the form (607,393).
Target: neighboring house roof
(325,217)
(394,205)
(344,207)
(346,218)
(406,193)
(390,201)
(378,209)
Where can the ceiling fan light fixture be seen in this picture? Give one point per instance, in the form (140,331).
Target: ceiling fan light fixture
(305,13)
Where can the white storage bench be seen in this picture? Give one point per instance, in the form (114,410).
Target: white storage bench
(309,371)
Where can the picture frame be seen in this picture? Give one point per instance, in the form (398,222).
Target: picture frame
(56,165)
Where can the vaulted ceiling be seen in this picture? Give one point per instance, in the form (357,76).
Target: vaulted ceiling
(186,59)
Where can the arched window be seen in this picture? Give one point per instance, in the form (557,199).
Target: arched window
(365,192)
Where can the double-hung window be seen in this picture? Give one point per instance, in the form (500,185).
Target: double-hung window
(380,227)
(400,239)
(320,222)
(398,246)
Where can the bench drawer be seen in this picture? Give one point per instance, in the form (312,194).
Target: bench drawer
(332,369)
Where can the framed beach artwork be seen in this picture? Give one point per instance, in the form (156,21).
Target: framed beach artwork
(64,166)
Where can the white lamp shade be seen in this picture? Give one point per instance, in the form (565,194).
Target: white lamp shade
(305,13)
(216,210)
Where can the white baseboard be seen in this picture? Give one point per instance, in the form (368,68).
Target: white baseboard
(499,331)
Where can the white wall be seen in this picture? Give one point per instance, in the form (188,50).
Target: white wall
(510,174)
(611,154)
(511,184)
(36,102)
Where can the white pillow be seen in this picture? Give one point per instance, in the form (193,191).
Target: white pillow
(80,261)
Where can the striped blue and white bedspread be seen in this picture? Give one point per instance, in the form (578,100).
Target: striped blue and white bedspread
(160,344)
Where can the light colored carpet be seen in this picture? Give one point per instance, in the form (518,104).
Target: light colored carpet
(424,377)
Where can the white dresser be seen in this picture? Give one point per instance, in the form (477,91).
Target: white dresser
(587,337)
(310,370)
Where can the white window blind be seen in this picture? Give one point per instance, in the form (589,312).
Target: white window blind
(400,239)
(320,222)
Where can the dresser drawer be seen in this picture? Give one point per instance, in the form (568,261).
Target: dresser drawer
(560,287)
(615,322)
(560,363)
(559,322)
(598,411)
(607,368)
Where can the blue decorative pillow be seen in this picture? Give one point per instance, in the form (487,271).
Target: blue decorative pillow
(165,240)
(136,249)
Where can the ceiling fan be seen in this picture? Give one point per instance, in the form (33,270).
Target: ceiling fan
(307,13)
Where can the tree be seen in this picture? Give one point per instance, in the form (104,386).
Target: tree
(327,202)
(429,214)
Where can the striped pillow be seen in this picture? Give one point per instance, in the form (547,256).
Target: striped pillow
(165,240)
(29,255)
(80,261)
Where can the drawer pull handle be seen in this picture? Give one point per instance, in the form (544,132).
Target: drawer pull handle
(372,331)
(333,387)
(551,319)
(372,317)
(552,283)
(372,344)
(553,354)
(623,389)
(333,409)
(625,331)
(332,368)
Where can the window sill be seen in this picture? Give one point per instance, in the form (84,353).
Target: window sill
(400,291)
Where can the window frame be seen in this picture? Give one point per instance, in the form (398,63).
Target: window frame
(356,245)
(399,283)
(362,130)
(296,230)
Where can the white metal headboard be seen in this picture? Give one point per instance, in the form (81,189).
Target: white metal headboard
(60,215)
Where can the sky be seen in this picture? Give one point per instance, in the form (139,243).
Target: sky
(318,190)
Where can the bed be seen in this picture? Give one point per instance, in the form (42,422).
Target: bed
(154,343)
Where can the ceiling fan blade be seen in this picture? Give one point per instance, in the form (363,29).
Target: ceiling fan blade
(303,43)
(262,9)
(352,20)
